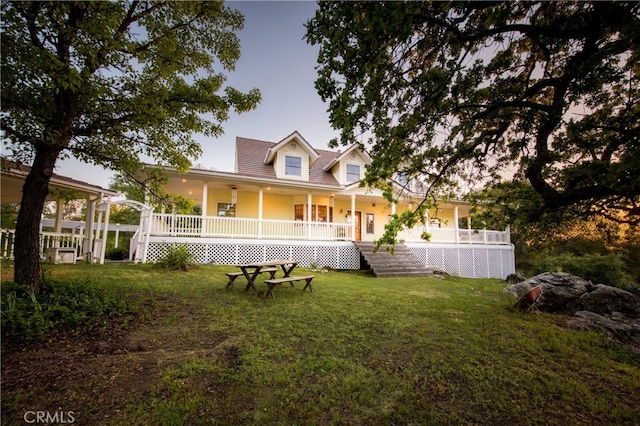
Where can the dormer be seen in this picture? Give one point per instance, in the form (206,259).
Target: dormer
(292,157)
(348,167)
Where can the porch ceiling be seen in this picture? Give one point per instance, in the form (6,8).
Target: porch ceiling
(11,189)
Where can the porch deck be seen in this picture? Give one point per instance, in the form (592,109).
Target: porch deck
(175,225)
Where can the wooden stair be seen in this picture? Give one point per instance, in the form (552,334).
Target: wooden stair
(402,263)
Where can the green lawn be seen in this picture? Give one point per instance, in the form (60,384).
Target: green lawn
(358,350)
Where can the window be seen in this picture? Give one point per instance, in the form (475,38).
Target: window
(293,166)
(318,213)
(370,223)
(226,210)
(353,172)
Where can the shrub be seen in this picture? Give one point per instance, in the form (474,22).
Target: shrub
(599,269)
(175,257)
(117,253)
(59,305)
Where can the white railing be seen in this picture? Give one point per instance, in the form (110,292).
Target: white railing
(228,227)
(6,242)
(163,224)
(458,236)
(47,240)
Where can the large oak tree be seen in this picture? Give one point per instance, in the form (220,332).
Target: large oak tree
(109,82)
(536,101)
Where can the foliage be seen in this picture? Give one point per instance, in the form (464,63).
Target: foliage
(599,269)
(110,83)
(117,253)
(61,305)
(155,196)
(175,257)
(538,100)
(8,215)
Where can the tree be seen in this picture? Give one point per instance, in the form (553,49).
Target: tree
(538,102)
(109,82)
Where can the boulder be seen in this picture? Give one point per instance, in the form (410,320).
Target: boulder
(604,299)
(557,289)
(518,277)
(617,326)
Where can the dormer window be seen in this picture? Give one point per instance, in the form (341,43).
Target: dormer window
(293,166)
(353,172)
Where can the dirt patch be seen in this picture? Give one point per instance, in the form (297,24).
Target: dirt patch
(94,374)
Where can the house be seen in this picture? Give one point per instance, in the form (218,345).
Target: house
(287,199)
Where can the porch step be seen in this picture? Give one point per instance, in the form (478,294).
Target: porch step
(402,263)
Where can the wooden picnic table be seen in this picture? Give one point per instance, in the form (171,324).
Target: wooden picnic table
(252,270)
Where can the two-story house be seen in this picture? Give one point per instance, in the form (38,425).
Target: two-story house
(288,199)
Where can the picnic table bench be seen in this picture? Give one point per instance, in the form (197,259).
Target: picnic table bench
(233,275)
(272,282)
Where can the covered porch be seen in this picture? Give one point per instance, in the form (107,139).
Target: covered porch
(77,237)
(233,206)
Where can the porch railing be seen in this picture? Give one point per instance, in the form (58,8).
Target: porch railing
(166,224)
(214,226)
(47,240)
(458,236)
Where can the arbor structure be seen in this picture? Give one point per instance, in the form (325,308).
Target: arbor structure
(108,83)
(538,102)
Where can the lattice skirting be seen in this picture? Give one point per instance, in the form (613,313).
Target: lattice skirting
(336,255)
(471,261)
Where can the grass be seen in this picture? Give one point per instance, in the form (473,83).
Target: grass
(363,350)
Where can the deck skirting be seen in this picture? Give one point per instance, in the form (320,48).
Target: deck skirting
(472,261)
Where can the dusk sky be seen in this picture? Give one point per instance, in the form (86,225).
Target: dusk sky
(278,61)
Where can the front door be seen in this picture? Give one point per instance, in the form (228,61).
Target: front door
(357,216)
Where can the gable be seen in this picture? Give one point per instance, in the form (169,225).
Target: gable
(251,153)
(346,165)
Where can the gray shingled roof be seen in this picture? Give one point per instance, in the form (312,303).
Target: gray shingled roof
(250,155)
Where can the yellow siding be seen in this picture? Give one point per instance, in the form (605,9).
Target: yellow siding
(280,162)
(277,207)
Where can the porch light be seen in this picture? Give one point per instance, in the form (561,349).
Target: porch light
(234,195)
(411,205)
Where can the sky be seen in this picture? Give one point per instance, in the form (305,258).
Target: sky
(277,60)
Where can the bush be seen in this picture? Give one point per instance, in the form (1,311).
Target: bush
(599,269)
(59,305)
(177,256)
(117,254)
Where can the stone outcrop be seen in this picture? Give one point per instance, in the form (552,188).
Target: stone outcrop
(594,307)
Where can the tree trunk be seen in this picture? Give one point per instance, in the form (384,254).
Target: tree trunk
(27,251)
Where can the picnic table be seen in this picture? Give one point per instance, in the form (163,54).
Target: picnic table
(252,270)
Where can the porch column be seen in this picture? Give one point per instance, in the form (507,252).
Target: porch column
(59,215)
(455,221)
(393,208)
(353,217)
(115,244)
(309,214)
(427,221)
(260,207)
(57,226)
(89,220)
(205,194)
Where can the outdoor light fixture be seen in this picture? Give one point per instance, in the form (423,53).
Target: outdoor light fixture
(234,195)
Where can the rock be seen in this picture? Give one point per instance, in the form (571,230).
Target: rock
(607,300)
(616,326)
(515,278)
(557,289)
